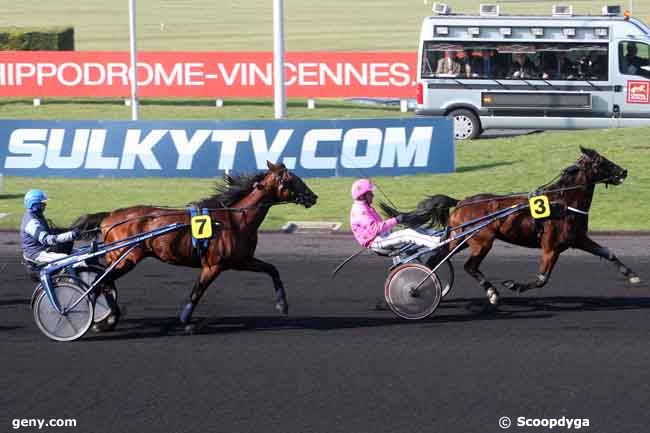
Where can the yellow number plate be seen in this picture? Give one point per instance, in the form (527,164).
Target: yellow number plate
(539,207)
(202,227)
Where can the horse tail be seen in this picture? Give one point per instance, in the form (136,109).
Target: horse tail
(414,218)
(391,212)
(435,209)
(88,225)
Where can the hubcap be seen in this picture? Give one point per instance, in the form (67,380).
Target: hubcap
(463,127)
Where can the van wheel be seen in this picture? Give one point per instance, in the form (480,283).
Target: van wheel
(466,124)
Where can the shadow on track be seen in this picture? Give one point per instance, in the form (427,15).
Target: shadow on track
(169,326)
(518,308)
(7,302)
(557,303)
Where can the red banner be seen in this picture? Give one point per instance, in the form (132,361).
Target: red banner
(202,74)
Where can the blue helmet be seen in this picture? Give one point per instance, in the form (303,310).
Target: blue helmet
(34,197)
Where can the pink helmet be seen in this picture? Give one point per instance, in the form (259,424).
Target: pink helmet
(360,187)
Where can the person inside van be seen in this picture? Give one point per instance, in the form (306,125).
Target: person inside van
(599,65)
(556,65)
(586,67)
(463,59)
(481,64)
(522,68)
(568,67)
(500,65)
(633,64)
(448,65)
(550,68)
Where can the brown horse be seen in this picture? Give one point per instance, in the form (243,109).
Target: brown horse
(567,227)
(240,206)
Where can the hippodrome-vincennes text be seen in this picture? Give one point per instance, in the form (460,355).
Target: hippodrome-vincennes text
(211,74)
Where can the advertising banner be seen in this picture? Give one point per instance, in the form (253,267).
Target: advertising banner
(206,74)
(316,148)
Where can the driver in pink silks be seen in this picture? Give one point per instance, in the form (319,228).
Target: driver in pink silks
(373,232)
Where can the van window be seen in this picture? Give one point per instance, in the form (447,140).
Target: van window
(634,59)
(520,61)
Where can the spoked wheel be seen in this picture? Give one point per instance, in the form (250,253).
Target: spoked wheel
(405,298)
(445,274)
(74,322)
(102,305)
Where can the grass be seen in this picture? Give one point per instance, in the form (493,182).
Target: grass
(230,25)
(106,109)
(494,165)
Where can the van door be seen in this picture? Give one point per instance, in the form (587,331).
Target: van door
(632,84)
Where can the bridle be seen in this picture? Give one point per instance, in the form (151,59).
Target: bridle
(284,177)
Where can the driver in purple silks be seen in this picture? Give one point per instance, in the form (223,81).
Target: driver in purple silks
(372,232)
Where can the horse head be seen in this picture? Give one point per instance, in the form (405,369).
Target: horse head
(600,169)
(286,186)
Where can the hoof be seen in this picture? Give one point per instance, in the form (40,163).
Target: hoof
(282,307)
(634,280)
(106,325)
(493,296)
(515,287)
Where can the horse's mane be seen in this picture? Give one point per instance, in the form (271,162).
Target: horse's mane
(231,190)
(567,179)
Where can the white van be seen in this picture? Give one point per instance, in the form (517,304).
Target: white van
(493,71)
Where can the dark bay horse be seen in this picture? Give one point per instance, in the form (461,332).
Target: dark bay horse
(240,206)
(571,197)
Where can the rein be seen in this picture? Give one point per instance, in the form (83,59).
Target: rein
(539,190)
(180,211)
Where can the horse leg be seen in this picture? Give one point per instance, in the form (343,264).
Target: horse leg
(549,258)
(478,252)
(110,323)
(257,265)
(585,243)
(206,277)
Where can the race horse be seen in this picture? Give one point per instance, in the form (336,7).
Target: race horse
(239,207)
(570,196)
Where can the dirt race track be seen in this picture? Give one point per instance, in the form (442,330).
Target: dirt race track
(578,348)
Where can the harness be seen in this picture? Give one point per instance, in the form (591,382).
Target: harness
(558,210)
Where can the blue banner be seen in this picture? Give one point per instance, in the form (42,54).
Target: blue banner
(312,148)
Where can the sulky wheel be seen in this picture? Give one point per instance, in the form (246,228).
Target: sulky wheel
(445,274)
(74,322)
(405,298)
